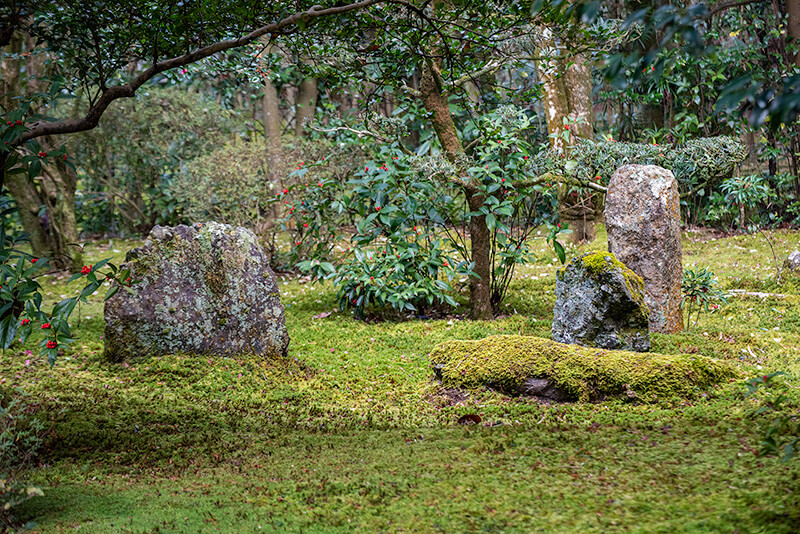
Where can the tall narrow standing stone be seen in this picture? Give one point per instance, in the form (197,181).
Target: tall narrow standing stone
(643,219)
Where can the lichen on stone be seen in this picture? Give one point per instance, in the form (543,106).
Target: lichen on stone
(600,303)
(505,362)
(202,289)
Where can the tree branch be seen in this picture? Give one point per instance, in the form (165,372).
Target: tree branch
(92,117)
(550,177)
(470,76)
(730,5)
(359,133)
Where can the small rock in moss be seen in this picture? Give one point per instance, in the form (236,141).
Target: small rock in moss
(601,303)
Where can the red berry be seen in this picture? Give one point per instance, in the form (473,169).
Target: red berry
(34,260)
(285,191)
(51,344)
(25,321)
(42,154)
(45,326)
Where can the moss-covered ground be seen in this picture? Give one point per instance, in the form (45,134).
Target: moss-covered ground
(352,434)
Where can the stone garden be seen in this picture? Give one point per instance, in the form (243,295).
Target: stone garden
(399,266)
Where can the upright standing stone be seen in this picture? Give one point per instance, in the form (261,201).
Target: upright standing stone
(643,220)
(201,289)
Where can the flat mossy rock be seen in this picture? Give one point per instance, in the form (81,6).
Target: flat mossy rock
(200,289)
(514,364)
(600,303)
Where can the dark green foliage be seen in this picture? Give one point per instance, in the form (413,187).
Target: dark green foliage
(130,165)
(782,432)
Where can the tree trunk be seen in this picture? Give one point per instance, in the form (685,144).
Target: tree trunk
(435,103)
(306,104)
(47,203)
(567,83)
(480,290)
(47,212)
(272,117)
(793,12)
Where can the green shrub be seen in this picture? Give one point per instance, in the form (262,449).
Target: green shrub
(128,166)
(700,293)
(411,220)
(245,185)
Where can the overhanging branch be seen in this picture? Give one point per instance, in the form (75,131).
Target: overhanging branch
(92,117)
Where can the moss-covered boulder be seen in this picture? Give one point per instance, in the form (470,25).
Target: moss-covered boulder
(600,303)
(518,365)
(200,289)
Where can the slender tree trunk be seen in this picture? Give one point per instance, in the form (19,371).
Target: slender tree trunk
(435,102)
(793,10)
(306,104)
(272,117)
(47,203)
(567,85)
(480,290)
(578,87)
(47,212)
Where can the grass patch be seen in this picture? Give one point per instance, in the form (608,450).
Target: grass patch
(350,432)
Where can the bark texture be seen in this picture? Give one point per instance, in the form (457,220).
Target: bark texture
(435,102)
(567,82)
(47,202)
(306,104)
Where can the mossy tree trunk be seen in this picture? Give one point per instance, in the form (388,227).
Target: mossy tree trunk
(46,203)
(47,212)
(272,117)
(435,101)
(306,104)
(567,83)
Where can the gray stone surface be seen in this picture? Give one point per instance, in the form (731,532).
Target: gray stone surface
(600,303)
(643,220)
(200,289)
(793,261)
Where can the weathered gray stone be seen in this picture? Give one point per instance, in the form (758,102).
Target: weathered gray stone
(600,303)
(200,289)
(643,220)
(793,261)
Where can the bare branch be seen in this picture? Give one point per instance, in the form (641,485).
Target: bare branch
(487,69)
(550,177)
(92,117)
(360,133)
(730,5)
(411,91)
